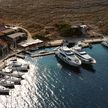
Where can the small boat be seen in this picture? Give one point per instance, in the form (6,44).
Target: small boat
(21,69)
(18,73)
(105,43)
(68,56)
(13,59)
(7,69)
(13,74)
(4,91)
(15,66)
(17,81)
(26,66)
(7,84)
(83,56)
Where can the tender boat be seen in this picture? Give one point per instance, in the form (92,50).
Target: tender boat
(83,56)
(105,43)
(67,55)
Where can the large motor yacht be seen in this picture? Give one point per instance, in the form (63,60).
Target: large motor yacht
(83,56)
(67,55)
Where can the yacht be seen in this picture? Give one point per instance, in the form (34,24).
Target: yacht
(67,55)
(83,56)
(105,43)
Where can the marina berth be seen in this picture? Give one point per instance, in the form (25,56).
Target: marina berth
(16,64)
(83,56)
(68,56)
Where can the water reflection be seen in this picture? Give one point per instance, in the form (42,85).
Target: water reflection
(88,67)
(105,47)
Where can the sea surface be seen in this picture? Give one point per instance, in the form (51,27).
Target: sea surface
(53,84)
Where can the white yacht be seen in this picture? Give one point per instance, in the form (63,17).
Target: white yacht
(83,56)
(105,43)
(66,55)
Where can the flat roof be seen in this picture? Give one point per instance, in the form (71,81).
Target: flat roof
(6,31)
(15,35)
(30,42)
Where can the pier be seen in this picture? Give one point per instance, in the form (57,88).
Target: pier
(87,42)
(54,43)
(84,42)
(43,54)
(93,40)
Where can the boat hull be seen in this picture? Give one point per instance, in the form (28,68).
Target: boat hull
(86,61)
(66,61)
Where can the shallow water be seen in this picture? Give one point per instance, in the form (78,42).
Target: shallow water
(53,84)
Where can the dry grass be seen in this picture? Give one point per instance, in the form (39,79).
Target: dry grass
(35,14)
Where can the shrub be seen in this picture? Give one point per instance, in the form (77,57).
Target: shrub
(66,30)
(41,37)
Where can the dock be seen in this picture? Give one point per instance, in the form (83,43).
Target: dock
(43,54)
(93,40)
(88,42)
(54,43)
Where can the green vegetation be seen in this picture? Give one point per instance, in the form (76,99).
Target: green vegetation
(66,30)
(41,37)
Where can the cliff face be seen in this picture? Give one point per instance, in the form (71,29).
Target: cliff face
(34,14)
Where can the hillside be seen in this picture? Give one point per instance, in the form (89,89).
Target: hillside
(35,14)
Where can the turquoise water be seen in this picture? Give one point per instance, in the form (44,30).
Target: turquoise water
(60,86)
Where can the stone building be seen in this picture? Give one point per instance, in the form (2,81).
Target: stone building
(3,48)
